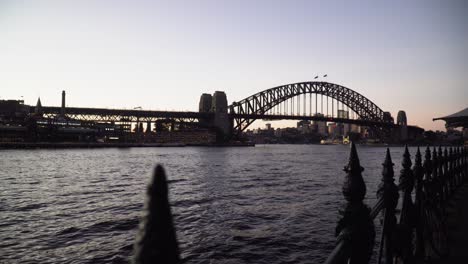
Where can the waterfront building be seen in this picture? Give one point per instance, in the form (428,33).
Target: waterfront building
(457,120)
(304,126)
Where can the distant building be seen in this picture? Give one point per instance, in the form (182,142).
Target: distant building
(343,129)
(304,126)
(343,114)
(458,119)
(13,110)
(321,126)
(38,108)
(332,129)
(278,132)
(355,128)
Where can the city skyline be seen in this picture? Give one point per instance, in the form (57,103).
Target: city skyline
(402,56)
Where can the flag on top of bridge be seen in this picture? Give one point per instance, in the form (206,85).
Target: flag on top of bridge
(325,75)
(316,77)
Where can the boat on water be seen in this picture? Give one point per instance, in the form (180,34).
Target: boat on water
(329,142)
(344,141)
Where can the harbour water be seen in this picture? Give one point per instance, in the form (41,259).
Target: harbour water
(263,204)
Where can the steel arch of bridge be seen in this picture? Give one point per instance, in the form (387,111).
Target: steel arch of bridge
(260,103)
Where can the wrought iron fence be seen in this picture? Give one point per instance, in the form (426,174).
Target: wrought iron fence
(417,232)
(420,233)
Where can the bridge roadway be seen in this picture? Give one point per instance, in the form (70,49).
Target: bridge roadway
(314,118)
(133,115)
(122,115)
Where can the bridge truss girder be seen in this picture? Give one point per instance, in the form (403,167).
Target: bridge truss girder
(121,119)
(122,116)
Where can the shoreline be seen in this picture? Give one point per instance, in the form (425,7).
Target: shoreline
(83,145)
(71,145)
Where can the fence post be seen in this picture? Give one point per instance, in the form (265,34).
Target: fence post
(446,174)
(458,166)
(388,191)
(427,165)
(418,176)
(434,164)
(440,172)
(356,225)
(428,187)
(407,216)
(156,240)
(455,164)
(451,172)
(436,182)
(464,164)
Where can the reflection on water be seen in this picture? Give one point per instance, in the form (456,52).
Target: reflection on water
(268,204)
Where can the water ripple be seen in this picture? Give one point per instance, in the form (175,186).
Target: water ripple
(268,204)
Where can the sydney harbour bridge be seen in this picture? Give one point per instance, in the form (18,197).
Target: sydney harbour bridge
(316,101)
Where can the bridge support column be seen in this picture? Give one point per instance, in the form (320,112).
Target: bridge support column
(221,118)
(221,121)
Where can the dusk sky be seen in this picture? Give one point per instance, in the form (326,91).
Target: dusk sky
(402,55)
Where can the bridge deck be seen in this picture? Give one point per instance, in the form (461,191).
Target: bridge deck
(315,118)
(116,114)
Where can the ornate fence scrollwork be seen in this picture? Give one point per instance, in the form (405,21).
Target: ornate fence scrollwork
(421,232)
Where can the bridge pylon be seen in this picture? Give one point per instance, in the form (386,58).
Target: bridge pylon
(220,121)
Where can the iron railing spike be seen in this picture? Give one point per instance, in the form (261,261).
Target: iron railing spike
(156,241)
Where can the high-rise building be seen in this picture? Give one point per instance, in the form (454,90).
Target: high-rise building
(343,114)
(321,126)
(343,128)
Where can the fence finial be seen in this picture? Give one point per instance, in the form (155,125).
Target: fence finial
(387,188)
(418,159)
(356,226)
(427,164)
(406,174)
(354,188)
(408,215)
(418,169)
(388,191)
(156,241)
(418,178)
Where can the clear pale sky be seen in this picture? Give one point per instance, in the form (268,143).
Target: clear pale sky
(410,55)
